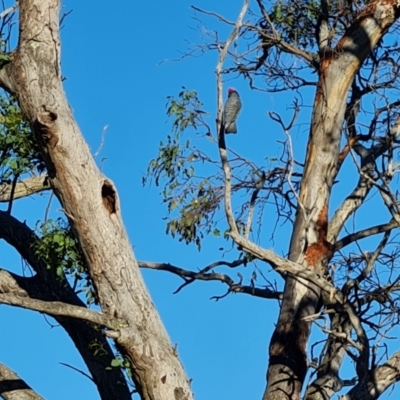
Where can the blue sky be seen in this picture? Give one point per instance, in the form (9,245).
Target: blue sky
(110,58)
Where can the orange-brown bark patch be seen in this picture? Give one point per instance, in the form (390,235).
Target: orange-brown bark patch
(322,222)
(317,251)
(326,59)
(321,249)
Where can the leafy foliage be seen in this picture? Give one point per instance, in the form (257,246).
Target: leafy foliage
(193,183)
(19,153)
(193,198)
(296,21)
(58,248)
(186,110)
(124,364)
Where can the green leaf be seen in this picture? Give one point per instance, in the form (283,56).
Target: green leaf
(172,205)
(117,362)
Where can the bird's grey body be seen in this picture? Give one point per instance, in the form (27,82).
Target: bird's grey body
(232,108)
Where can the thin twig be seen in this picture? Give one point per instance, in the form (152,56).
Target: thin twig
(63,17)
(259,186)
(77,370)
(10,203)
(9,10)
(47,211)
(103,136)
(266,17)
(277,118)
(203,275)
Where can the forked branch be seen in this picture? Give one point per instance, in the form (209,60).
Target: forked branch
(208,274)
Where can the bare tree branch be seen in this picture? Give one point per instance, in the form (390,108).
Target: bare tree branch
(377,381)
(364,234)
(277,118)
(203,275)
(60,309)
(12,387)
(356,198)
(259,185)
(328,380)
(9,10)
(277,41)
(221,137)
(287,48)
(27,187)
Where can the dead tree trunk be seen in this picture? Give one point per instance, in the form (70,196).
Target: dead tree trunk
(91,204)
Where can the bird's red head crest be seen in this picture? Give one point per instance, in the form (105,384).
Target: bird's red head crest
(231,90)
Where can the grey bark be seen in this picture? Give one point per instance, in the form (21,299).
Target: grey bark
(91,203)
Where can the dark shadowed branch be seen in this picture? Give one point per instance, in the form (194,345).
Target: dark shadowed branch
(205,275)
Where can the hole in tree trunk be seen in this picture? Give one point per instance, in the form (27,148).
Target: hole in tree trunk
(108,194)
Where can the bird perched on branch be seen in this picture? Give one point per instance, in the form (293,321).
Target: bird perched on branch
(231,111)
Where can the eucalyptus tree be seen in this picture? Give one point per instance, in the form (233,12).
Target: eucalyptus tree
(348,53)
